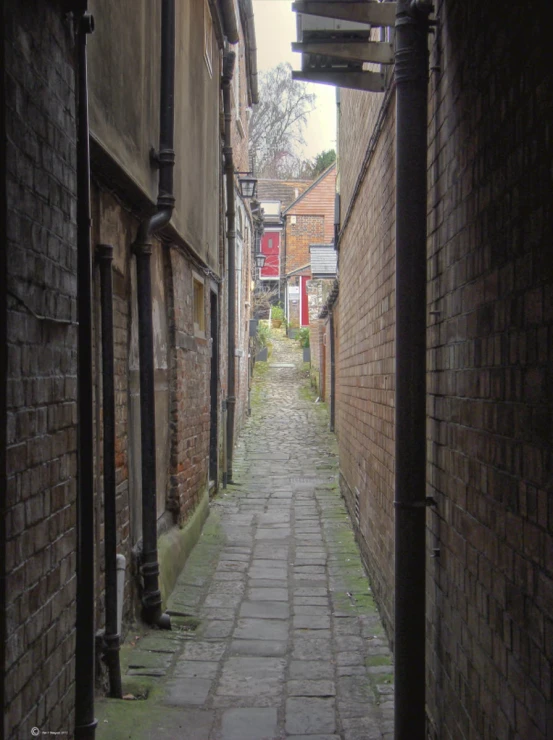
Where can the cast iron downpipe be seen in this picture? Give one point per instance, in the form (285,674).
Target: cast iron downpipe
(332,371)
(151,595)
(85,723)
(104,253)
(411,71)
(228,69)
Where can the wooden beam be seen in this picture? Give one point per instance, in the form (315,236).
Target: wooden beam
(372,13)
(359,51)
(367,81)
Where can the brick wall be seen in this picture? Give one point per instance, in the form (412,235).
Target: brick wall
(114,224)
(299,235)
(490,408)
(318,200)
(365,356)
(189,393)
(41,334)
(317,291)
(489,596)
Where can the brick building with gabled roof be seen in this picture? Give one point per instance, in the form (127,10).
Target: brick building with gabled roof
(308,220)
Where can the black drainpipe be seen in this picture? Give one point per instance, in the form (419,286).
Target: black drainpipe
(85,723)
(332,371)
(228,68)
(411,71)
(111,636)
(151,595)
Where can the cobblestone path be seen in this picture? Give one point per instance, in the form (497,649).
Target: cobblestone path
(288,642)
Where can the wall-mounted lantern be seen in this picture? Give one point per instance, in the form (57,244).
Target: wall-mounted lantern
(248,184)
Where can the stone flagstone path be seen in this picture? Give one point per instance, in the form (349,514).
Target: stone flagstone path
(287,640)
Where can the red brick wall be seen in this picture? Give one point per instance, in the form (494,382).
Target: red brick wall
(39,499)
(313,214)
(319,200)
(299,235)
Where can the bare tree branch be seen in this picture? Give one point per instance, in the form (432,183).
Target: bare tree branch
(278,122)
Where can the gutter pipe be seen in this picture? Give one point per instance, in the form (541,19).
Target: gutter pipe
(111,634)
(230,21)
(85,722)
(228,69)
(411,72)
(332,372)
(165,159)
(251,51)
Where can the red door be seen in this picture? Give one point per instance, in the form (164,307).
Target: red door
(270,247)
(304,301)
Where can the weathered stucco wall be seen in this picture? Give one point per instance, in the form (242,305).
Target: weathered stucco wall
(124,71)
(124,67)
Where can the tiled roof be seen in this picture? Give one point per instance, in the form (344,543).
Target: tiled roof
(313,186)
(284,190)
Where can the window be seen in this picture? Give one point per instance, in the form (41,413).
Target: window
(208,38)
(199,305)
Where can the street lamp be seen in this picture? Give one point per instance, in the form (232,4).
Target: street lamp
(247,183)
(260,260)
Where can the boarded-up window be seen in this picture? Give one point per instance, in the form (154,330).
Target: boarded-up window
(199,306)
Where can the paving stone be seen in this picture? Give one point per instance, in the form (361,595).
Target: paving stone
(227,587)
(311,621)
(228,576)
(311,669)
(179,724)
(313,737)
(268,573)
(259,647)
(268,583)
(195,669)
(272,534)
(251,676)
(204,651)
(212,612)
(311,649)
(309,716)
(311,601)
(304,591)
(182,691)
(249,724)
(349,643)
(222,600)
(310,688)
(217,628)
(268,594)
(351,658)
(265,609)
(261,629)
(311,610)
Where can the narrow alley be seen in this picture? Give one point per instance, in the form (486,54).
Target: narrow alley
(275,632)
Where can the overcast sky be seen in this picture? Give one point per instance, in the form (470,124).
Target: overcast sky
(275,29)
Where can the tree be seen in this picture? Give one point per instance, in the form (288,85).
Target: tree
(278,122)
(322,162)
(310,169)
